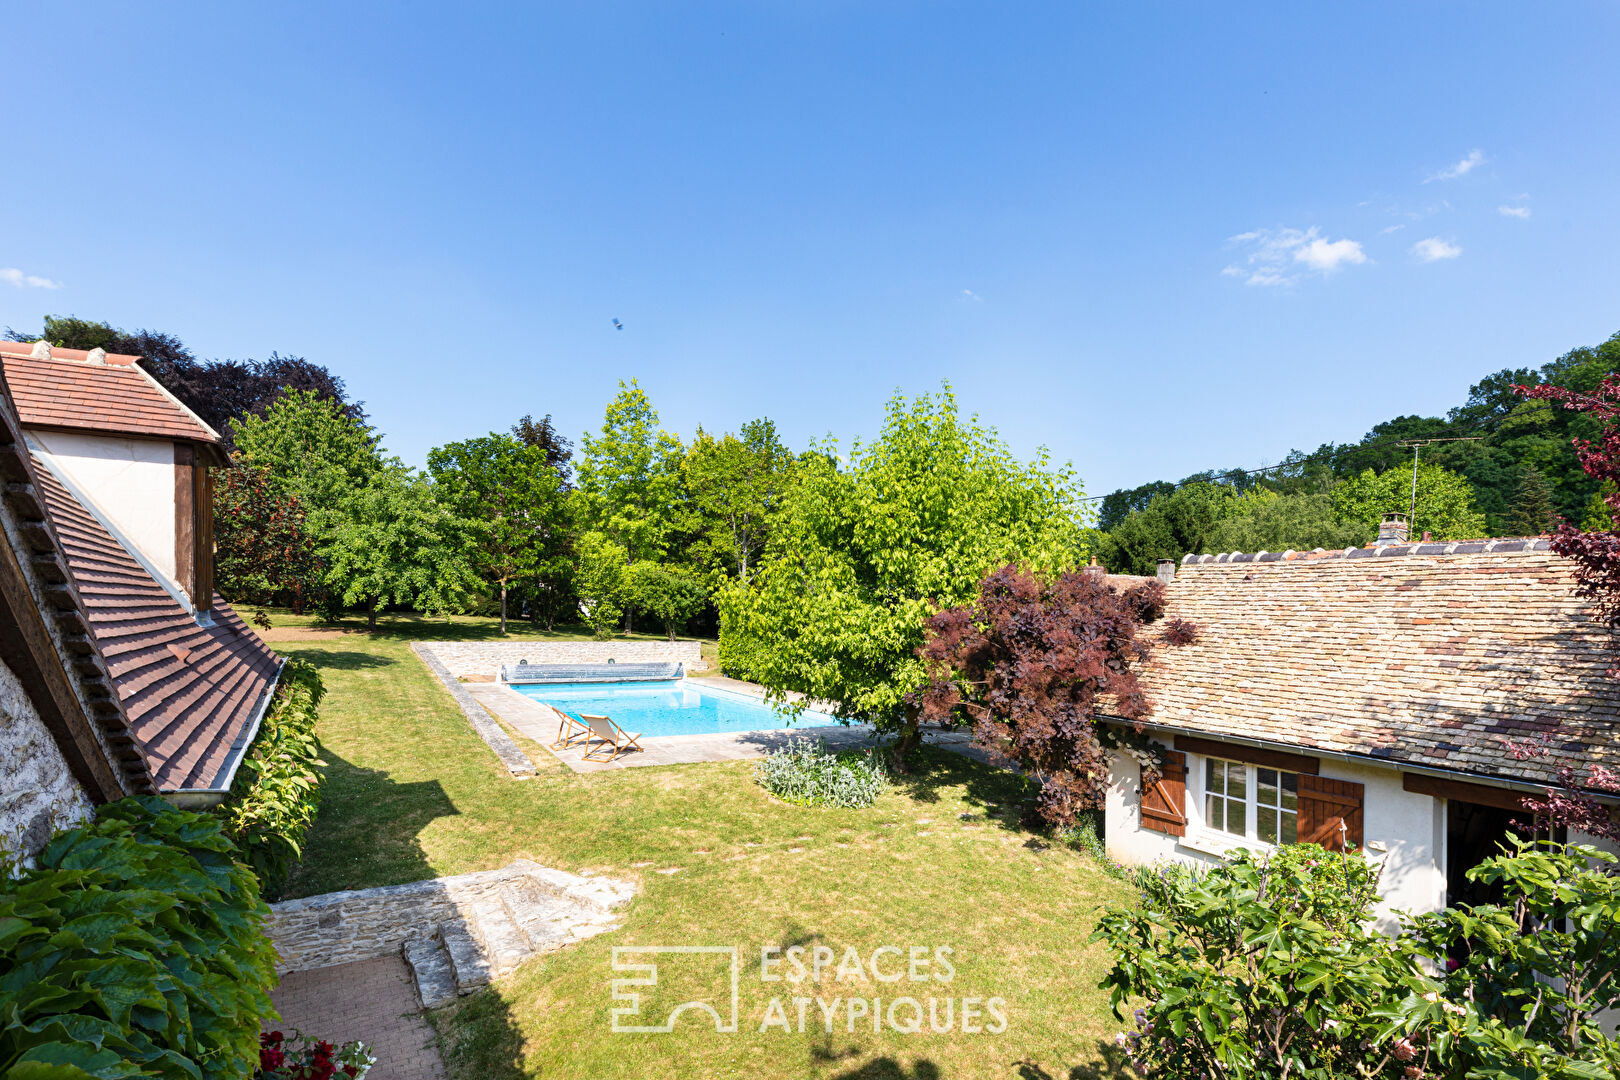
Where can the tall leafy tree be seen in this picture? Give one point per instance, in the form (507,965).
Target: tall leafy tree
(398,544)
(667,595)
(543,435)
(1171,526)
(1445,501)
(265,549)
(311,449)
(513,503)
(630,476)
(602,582)
(1263,520)
(863,555)
(736,485)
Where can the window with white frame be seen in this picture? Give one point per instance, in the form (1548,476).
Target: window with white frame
(1251,801)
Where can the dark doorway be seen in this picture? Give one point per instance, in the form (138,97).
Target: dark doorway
(1474,833)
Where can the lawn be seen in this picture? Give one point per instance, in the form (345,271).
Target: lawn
(940,861)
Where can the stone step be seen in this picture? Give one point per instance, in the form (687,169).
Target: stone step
(466,958)
(504,944)
(430,966)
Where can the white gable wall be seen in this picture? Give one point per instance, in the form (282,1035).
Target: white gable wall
(130,480)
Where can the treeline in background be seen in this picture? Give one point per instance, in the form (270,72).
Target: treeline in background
(1511,473)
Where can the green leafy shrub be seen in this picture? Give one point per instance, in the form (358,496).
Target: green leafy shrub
(134,947)
(1267,967)
(806,773)
(277,790)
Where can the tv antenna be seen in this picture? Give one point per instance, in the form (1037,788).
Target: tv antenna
(1416,445)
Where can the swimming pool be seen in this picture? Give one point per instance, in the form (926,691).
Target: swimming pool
(677,707)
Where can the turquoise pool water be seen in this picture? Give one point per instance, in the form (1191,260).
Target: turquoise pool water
(677,707)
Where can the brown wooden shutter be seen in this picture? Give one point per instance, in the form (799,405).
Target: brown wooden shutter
(1330,812)
(1164,804)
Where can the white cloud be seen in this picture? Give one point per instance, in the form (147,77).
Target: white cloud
(1387,229)
(1283,256)
(968,296)
(1433,249)
(12,276)
(1474,160)
(1514,211)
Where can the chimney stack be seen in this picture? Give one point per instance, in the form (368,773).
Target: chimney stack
(1394,529)
(1167,570)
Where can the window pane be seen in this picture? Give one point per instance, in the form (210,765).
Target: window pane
(1237,817)
(1212,811)
(1290,829)
(1265,822)
(1236,781)
(1266,779)
(1290,793)
(1212,775)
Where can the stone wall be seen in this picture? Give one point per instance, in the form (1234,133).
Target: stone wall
(38,795)
(335,928)
(485,658)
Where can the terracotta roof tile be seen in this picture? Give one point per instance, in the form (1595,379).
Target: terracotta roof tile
(190,691)
(1404,653)
(110,397)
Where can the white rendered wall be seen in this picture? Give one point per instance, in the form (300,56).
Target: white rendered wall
(1404,832)
(38,794)
(131,481)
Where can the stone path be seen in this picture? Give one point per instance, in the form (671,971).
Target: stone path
(534,721)
(370,1000)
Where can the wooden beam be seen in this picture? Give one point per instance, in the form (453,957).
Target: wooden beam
(185,519)
(1463,791)
(1254,755)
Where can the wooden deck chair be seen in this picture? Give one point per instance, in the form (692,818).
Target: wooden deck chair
(569,730)
(611,735)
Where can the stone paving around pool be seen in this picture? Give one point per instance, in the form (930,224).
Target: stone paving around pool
(534,721)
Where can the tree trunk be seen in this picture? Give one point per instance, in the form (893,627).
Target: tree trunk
(503,608)
(910,736)
(371,614)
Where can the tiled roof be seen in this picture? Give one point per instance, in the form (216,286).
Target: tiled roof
(190,692)
(109,394)
(1428,654)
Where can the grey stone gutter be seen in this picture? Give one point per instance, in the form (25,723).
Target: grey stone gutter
(515,760)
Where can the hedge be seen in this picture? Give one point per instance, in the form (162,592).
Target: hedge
(277,790)
(134,948)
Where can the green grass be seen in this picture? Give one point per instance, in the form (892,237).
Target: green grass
(939,861)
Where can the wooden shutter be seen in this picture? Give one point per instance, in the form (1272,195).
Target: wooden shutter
(1164,804)
(1330,812)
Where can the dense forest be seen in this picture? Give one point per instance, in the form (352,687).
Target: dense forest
(1508,470)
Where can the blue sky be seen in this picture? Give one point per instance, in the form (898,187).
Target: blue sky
(1154,238)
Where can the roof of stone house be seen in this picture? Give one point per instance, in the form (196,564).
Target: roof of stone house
(191,692)
(46,628)
(1436,655)
(94,391)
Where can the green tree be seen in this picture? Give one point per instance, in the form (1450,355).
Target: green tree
(1263,520)
(513,502)
(601,582)
(264,551)
(736,486)
(1445,501)
(1171,526)
(396,543)
(1597,516)
(1532,509)
(630,476)
(863,555)
(668,595)
(312,449)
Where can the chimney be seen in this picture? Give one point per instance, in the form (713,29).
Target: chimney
(1167,570)
(1394,529)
